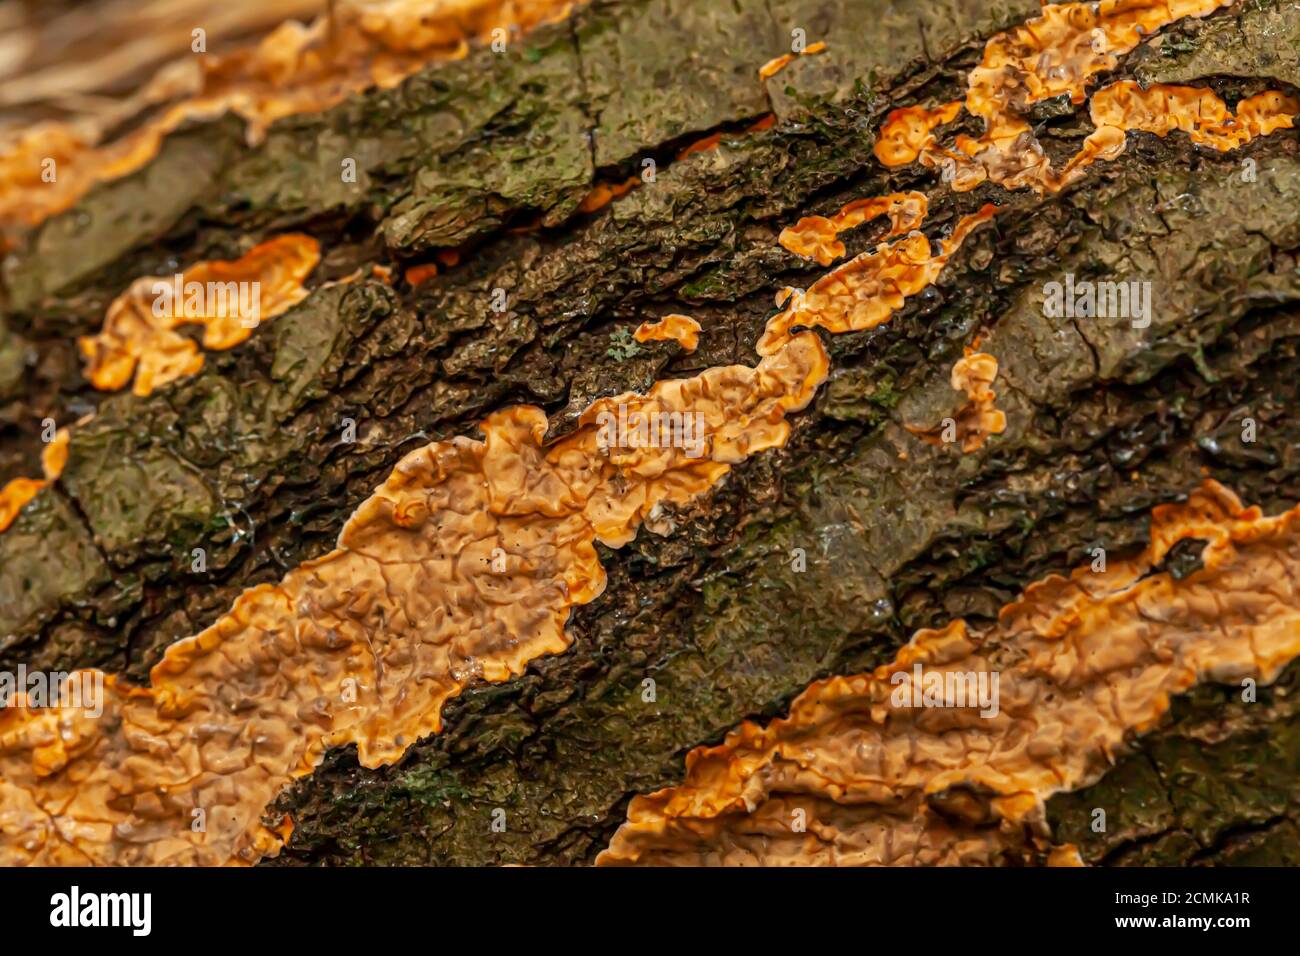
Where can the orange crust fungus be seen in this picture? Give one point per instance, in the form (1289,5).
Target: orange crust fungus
(858,773)
(908,131)
(816,237)
(681,329)
(978,418)
(461,567)
(17,492)
(295,69)
(1060,53)
(774,66)
(1202,115)
(602,194)
(869,288)
(229,299)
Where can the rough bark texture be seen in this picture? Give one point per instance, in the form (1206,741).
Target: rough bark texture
(1105,421)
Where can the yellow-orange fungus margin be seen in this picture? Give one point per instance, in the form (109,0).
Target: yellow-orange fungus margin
(893,767)
(295,69)
(865,291)
(139,337)
(1060,53)
(17,492)
(774,66)
(815,237)
(462,567)
(977,419)
(681,329)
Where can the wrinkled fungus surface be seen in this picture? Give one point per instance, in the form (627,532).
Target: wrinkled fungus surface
(1059,54)
(462,567)
(858,774)
(681,329)
(865,291)
(977,419)
(139,338)
(816,237)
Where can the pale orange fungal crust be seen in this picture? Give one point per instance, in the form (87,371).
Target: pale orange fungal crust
(909,130)
(1085,663)
(775,65)
(462,567)
(977,419)
(17,492)
(682,329)
(15,495)
(139,340)
(1162,109)
(1060,53)
(295,69)
(865,291)
(817,237)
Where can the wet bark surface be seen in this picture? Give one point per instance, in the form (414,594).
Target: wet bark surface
(492,156)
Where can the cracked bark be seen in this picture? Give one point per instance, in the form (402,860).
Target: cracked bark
(245,460)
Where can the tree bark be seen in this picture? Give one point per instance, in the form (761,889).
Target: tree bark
(492,156)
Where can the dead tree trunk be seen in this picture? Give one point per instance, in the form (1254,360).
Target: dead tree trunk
(492,156)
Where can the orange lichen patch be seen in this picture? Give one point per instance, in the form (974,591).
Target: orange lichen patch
(602,194)
(681,329)
(869,288)
(774,66)
(862,772)
(461,567)
(815,237)
(16,493)
(978,418)
(909,131)
(229,299)
(295,69)
(1058,53)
